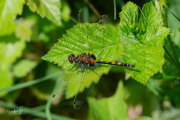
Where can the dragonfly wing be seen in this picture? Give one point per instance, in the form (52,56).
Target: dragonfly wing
(79,99)
(58,96)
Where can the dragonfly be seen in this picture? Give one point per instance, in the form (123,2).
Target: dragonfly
(85,61)
(88,60)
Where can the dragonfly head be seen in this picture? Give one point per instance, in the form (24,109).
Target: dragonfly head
(71,58)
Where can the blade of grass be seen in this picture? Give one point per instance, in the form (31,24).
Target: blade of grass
(170,57)
(66,24)
(74,20)
(30,111)
(39,108)
(48,104)
(173,14)
(26,84)
(153,89)
(47,110)
(153,84)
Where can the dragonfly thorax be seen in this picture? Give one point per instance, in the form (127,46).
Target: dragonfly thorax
(82,59)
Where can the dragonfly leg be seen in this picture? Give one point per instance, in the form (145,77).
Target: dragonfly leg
(94,71)
(72,67)
(81,69)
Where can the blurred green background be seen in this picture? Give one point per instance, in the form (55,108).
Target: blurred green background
(29,28)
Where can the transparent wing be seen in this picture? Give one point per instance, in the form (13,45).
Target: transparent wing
(79,99)
(58,96)
(78,84)
(83,15)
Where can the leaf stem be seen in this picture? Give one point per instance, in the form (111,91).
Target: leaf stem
(30,111)
(74,20)
(26,84)
(48,104)
(93,8)
(114,9)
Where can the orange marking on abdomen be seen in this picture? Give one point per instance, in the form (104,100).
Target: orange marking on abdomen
(119,63)
(95,61)
(113,62)
(92,61)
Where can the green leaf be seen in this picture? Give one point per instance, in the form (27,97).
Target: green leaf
(9,9)
(112,108)
(147,53)
(23,30)
(6,79)
(46,8)
(43,90)
(173,21)
(66,11)
(150,17)
(23,67)
(105,43)
(148,57)
(10,51)
(101,40)
(129,20)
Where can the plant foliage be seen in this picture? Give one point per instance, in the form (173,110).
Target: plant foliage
(105,42)
(46,8)
(112,108)
(9,9)
(28,28)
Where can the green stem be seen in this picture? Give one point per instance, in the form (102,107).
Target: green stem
(30,111)
(74,20)
(47,110)
(48,105)
(91,6)
(26,84)
(114,9)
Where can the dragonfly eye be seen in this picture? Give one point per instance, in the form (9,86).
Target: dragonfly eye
(71,58)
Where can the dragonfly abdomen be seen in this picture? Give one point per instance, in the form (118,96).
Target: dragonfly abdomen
(116,63)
